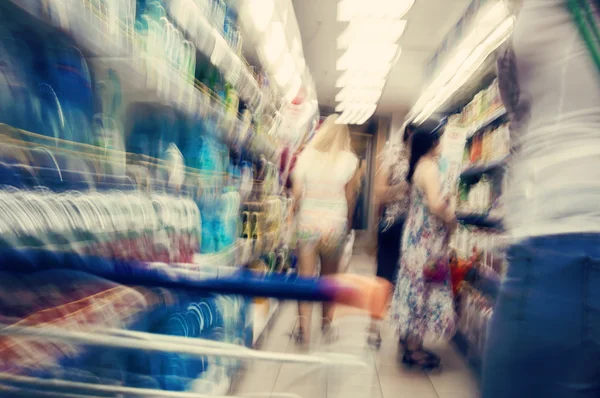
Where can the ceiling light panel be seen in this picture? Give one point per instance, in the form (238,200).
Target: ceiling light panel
(370,44)
(351,94)
(274,43)
(347,105)
(365,76)
(371,30)
(361,78)
(361,57)
(380,9)
(356,113)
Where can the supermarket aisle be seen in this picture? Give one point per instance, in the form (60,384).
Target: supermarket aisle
(386,379)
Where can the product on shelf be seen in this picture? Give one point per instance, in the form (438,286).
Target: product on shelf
(482,246)
(484,104)
(125,170)
(490,145)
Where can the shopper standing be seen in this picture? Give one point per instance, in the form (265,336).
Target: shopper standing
(324,184)
(422,304)
(544,338)
(392,202)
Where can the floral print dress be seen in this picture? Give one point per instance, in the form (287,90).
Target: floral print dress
(422,309)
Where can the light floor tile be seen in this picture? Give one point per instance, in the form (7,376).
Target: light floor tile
(384,377)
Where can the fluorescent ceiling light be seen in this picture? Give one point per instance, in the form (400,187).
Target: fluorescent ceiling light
(274,43)
(348,115)
(364,56)
(293,89)
(382,9)
(364,84)
(356,113)
(366,70)
(369,31)
(347,105)
(361,78)
(352,94)
(285,70)
(367,113)
(360,83)
(260,13)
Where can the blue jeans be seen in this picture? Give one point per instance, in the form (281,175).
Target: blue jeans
(544,337)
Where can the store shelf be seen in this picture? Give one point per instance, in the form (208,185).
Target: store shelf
(148,78)
(479,170)
(209,40)
(479,220)
(498,114)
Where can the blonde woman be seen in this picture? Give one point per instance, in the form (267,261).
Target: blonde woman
(324,184)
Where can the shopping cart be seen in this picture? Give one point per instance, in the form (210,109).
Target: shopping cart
(177,366)
(341,368)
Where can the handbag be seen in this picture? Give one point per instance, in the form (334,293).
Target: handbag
(437,271)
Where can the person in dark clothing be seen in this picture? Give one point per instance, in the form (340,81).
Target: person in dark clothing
(392,201)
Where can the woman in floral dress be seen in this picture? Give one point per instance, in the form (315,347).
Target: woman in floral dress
(422,305)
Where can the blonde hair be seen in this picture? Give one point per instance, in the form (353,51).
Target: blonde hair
(332,137)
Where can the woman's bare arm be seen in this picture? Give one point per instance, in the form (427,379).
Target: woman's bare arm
(428,178)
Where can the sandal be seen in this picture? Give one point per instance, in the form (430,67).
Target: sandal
(424,359)
(299,337)
(329,332)
(374,339)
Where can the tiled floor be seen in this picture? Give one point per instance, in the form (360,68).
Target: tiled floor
(382,378)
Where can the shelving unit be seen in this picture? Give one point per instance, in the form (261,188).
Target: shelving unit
(479,213)
(211,42)
(479,220)
(477,171)
(157,69)
(486,122)
(149,77)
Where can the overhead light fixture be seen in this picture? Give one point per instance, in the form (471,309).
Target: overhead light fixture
(491,30)
(382,9)
(365,56)
(370,44)
(367,113)
(285,70)
(294,88)
(356,113)
(274,43)
(260,13)
(361,78)
(369,31)
(352,94)
(342,106)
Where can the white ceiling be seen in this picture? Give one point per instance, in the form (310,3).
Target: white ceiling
(428,23)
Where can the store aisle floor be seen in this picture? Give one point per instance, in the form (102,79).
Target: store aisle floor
(385,378)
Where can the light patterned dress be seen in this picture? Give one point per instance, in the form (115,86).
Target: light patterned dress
(419,308)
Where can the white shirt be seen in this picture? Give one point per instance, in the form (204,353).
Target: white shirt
(324,178)
(554,178)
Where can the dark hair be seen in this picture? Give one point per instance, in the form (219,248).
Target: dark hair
(408,130)
(425,137)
